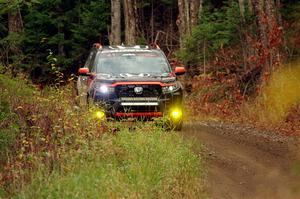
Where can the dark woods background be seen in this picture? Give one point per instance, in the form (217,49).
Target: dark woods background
(244,38)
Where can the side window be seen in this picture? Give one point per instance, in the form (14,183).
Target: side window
(93,61)
(89,61)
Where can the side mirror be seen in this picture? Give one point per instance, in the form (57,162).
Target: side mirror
(83,71)
(180,70)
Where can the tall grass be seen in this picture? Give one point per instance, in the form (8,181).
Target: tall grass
(128,165)
(9,125)
(63,151)
(278,97)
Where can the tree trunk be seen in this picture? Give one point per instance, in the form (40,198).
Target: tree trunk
(152,21)
(15,23)
(280,22)
(188,17)
(181,22)
(195,6)
(242,34)
(130,22)
(279,16)
(270,36)
(242,9)
(15,26)
(115,36)
(250,6)
(273,28)
(261,24)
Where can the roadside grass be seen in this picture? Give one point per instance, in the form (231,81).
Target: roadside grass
(9,126)
(60,150)
(213,99)
(279,101)
(277,107)
(129,165)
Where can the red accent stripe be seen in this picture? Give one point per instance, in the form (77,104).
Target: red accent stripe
(140,83)
(145,114)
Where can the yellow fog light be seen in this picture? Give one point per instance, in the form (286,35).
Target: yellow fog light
(176,114)
(100,114)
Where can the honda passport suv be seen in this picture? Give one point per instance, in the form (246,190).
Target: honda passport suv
(128,82)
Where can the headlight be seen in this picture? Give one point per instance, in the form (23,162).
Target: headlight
(103,88)
(171,88)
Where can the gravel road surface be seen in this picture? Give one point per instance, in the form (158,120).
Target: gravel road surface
(247,163)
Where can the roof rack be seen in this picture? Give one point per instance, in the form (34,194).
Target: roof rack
(120,47)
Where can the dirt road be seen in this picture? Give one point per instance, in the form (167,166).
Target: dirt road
(246,163)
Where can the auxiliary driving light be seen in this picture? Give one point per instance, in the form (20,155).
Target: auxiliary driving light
(100,114)
(176,114)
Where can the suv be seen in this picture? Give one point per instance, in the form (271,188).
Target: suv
(135,81)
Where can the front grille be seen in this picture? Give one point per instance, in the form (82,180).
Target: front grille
(148,91)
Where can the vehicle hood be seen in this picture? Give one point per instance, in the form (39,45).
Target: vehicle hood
(110,79)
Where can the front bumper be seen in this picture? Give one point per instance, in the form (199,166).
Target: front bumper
(138,106)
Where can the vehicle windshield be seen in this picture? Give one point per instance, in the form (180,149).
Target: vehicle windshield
(117,63)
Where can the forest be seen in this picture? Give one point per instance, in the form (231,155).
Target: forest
(234,43)
(241,37)
(242,61)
